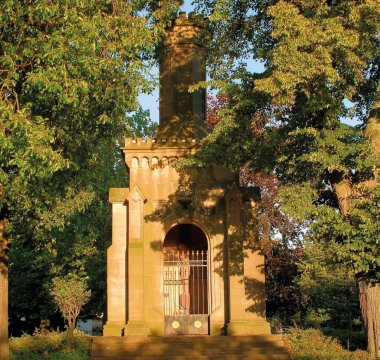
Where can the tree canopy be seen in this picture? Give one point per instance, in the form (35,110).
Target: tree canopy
(70,71)
(321,67)
(288,120)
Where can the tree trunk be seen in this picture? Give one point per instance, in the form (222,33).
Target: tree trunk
(4,342)
(370,307)
(373,317)
(372,132)
(343,191)
(71,322)
(373,125)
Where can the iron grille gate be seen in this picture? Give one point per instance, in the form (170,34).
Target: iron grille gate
(186,307)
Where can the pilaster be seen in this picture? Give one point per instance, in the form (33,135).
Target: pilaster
(116,265)
(234,251)
(136,323)
(245,266)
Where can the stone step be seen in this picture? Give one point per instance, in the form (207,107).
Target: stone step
(259,347)
(215,357)
(180,351)
(189,345)
(190,339)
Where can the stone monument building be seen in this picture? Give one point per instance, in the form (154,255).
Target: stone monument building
(184,256)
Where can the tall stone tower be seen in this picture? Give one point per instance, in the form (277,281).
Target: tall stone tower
(182,64)
(184,256)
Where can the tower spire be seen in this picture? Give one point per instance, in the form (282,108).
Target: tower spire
(182,64)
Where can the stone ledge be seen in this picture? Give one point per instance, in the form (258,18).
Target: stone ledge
(113,329)
(248,327)
(136,328)
(149,143)
(118,195)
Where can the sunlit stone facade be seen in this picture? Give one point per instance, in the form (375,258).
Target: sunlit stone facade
(184,257)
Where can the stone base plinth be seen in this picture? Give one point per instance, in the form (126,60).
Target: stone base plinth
(217,322)
(217,329)
(248,327)
(136,328)
(113,329)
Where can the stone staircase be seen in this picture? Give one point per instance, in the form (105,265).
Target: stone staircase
(257,347)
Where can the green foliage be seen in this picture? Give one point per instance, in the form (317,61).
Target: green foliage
(287,120)
(70,72)
(330,287)
(316,154)
(311,344)
(350,340)
(54,345)
(321,66)
(223,136)
(356,241)
(316,54)
(140,124)
(321,51)
(361,248)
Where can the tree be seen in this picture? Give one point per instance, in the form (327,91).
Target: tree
(69,73)
(317,55)
(79,248)
(329,286)
(70,294)
(140,123)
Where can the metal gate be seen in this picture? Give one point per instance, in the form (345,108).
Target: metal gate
(186,307)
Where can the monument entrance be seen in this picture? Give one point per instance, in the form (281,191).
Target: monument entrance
(186,279)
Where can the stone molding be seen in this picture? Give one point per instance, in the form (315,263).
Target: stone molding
(150,142)
(118,195)
(136,194)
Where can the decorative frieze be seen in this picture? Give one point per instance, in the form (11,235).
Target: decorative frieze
(150,162)
(151,142)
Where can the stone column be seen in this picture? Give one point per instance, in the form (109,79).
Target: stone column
(136,322)
(245,266)
(116,265)
(216,288)
(254,274)
(235,262)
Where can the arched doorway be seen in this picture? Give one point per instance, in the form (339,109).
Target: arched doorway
(186,306)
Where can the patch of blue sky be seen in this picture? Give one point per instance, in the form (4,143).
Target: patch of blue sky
(352,120)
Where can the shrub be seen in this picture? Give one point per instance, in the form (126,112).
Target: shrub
(352,339)
(70,294)
(311,344)
(52,346)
